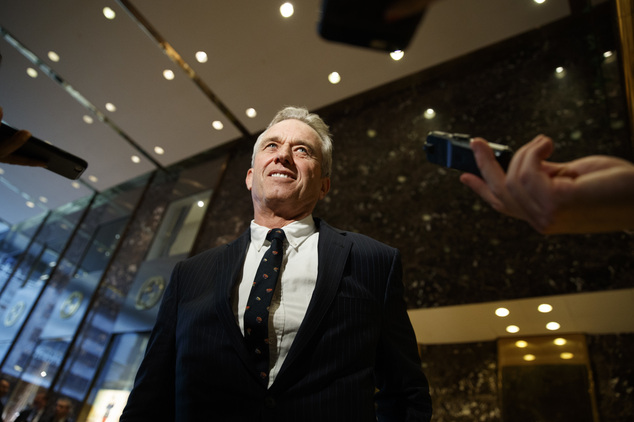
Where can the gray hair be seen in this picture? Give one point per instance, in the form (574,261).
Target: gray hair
(312,120)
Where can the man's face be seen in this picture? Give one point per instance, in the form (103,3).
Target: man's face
(286,175)
(4,388)
(39,401)
(62,409)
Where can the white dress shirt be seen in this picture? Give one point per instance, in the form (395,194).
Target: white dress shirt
(294,289)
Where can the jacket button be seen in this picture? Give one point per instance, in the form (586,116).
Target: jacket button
(269,402)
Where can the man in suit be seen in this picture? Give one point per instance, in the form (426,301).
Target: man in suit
(62,413)
(34,412)
(340,345)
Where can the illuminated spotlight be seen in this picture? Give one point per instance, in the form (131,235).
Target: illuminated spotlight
(430,113)
(512,329)
(87,119)
(18,368)
(111,107)
(521,344)
(397,55)
(539,1)
(30,204)
(529,357)
(201,204)
(560,341)
(135,159)
(43,199)
(502,312)
(31,72)
(53,56)
(251,112)
(287,10)
(217,124)
(43,374)
(159,150)
(544,308)
(201,56)
(109,13)
(93,178)
(334,78)
(52,264)
(560,72)
(553,326)
(607,54)
(76,185)
(168,74)
(566,355)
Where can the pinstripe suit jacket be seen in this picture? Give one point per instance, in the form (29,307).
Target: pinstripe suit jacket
(355,338)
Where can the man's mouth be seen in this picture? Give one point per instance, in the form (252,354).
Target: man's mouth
(282,175)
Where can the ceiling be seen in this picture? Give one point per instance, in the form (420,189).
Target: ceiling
(256,59)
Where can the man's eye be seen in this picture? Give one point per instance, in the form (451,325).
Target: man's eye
(303,150)
(271,145)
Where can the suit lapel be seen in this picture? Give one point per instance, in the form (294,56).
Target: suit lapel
(333,250)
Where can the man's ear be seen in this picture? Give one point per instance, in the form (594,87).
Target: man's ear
(249,179)
(325,187)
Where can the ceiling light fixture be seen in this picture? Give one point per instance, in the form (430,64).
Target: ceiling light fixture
(30,204)
(429,114)
(251,112)
(553,326)
(512,329)
(529,357)
(560,341)
(168,74)
(502,312)
(201,56)
(53,56)
(93,178)
(135,159)
(397,55)
(287,10)
(217,124)
(566,355)
(544,308)
(521,344)
(76,185)
(159,150)
(334,78)
(31,72)
(111,107)
(201,204)
(87,119)
(109,13)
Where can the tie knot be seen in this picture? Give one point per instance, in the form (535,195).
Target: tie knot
(275,234)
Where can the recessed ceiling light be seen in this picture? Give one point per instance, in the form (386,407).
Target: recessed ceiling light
(217,124)
(397,55)
(251,112)
(1,170)
(539,1)
(53,56)
(30,204)
(135,159)
(560,341)
(544,308)
(529,357)
(111,107)
(502,312)
(43,374)
(201,56)
(607,54)
(43,199)
(430,113)
(31,72)
(93,178)
(512,329)
(553,326)
(168,74)
(159,150)
(109,13)
(566,355)
(521,344)
(76,185)
(560,72)
(334,78)
(87,119)
(201,204)
(287,10)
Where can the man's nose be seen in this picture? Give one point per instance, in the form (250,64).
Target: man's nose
(284,154)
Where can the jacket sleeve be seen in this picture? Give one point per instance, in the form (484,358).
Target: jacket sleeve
(403,390)
(152,397)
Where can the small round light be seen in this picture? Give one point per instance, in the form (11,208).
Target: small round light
(201,57)
(168,74)
(539,1)
(560,341)
(512,329)
(544,308)
(159,150)
(53,56)
(287,10)
(30,204)
(553,326)
(76,185)
(566,355)
(88,119)
(430,113)
(334,78)
(607,54)
(529,357)
(135,159)
(111,107)
(43,199)
(217,124)
(43,374)
(251,112)
(201,204)
(93,178)
(109,13)
(397,55)
(521,344)
(502,312)
(31,72)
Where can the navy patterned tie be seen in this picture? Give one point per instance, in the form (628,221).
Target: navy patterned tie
(256,315)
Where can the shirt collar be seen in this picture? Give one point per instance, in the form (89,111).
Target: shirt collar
(296,232)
